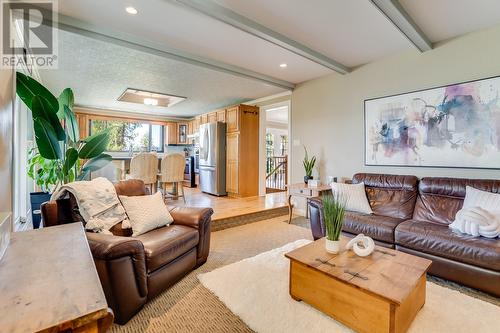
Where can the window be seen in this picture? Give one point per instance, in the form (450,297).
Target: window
(284,145)
(126,135)
(269,151)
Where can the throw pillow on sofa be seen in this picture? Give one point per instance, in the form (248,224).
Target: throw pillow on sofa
(146,212)
(477,198)
(480,214)
(354,196)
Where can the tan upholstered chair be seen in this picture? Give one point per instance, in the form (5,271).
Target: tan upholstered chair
(145,167)
(172,172)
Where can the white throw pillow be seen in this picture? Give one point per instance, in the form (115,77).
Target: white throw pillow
(354,196)
(486,200)
(146,212)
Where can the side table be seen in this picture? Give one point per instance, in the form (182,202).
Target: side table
(304,191)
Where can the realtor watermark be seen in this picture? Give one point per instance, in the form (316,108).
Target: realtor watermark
(28,33)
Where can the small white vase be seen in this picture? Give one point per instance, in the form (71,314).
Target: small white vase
(332,246)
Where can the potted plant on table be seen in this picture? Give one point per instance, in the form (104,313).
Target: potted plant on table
(60,156)
(333,212)
(308,165)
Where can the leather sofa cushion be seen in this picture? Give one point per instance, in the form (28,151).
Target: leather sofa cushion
(389,195)
(441,241)
(163,245)
(378,227)
(440,199)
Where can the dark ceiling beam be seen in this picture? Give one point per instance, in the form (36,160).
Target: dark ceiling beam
(225,15)
(73,25)
(398,16)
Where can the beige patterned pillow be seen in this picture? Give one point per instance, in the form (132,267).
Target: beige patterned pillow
(354,196)
(146,212)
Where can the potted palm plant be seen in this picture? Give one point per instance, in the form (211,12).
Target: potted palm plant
(308,165)
(60,155)
(333,213)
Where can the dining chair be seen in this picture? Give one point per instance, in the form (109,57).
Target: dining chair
(172,172)
(144,166)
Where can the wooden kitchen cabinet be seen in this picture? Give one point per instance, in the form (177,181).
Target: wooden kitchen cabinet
(182,133)
(242,151)
(204,119)
(196,124)
(212,117)
(232,177)
(170,133)
(221,116)
(232,119)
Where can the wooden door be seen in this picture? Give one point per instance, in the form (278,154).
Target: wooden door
(221,116)
(232,119)
(212,117)
(232,156)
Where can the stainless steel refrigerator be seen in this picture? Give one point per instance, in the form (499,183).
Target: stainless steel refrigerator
(213,158)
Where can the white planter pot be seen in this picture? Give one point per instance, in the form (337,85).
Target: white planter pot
(332,246)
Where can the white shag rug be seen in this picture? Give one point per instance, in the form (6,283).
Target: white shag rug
(256,289)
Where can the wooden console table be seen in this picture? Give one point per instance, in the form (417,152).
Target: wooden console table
(49,283)
(304,191)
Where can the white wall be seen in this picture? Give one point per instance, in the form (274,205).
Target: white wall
(327,113)
(6,105)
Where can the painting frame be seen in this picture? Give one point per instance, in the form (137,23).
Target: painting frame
(365,127)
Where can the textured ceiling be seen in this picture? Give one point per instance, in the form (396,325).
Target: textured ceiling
(99,72)
(162,21)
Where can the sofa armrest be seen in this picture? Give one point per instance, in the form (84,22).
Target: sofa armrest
(121,265)
(200,219)
(108,247)
(316,217)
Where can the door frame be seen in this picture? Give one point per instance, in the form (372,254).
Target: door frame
(262,142)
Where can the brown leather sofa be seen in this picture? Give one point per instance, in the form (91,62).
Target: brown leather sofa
(133,270)
(413,216)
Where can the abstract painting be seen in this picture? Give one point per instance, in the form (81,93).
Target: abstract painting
(451,126)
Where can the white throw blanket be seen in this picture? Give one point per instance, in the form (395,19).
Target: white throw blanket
(98,203)
(477,221)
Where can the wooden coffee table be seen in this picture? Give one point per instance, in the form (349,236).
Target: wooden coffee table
(379,293)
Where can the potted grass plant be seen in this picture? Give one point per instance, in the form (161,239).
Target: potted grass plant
(333,213)
(308,165)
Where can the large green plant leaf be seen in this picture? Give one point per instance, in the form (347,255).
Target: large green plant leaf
(66,99)
(42,109)
(71,124)
(94,164)
(95,146)
(27,88)
(71,158)
(46,139)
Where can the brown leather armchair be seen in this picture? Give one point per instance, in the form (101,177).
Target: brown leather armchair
(133,270)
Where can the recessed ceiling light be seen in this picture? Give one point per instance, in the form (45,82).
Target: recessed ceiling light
(145,97)
(150,101)
(131,10)
(283,65)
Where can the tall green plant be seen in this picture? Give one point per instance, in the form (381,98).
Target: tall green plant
(60,151)
(308,163)
(333,213)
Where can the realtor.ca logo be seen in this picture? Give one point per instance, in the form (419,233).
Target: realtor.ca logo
(29,34)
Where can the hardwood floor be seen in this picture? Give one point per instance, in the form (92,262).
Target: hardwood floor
(225,207)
